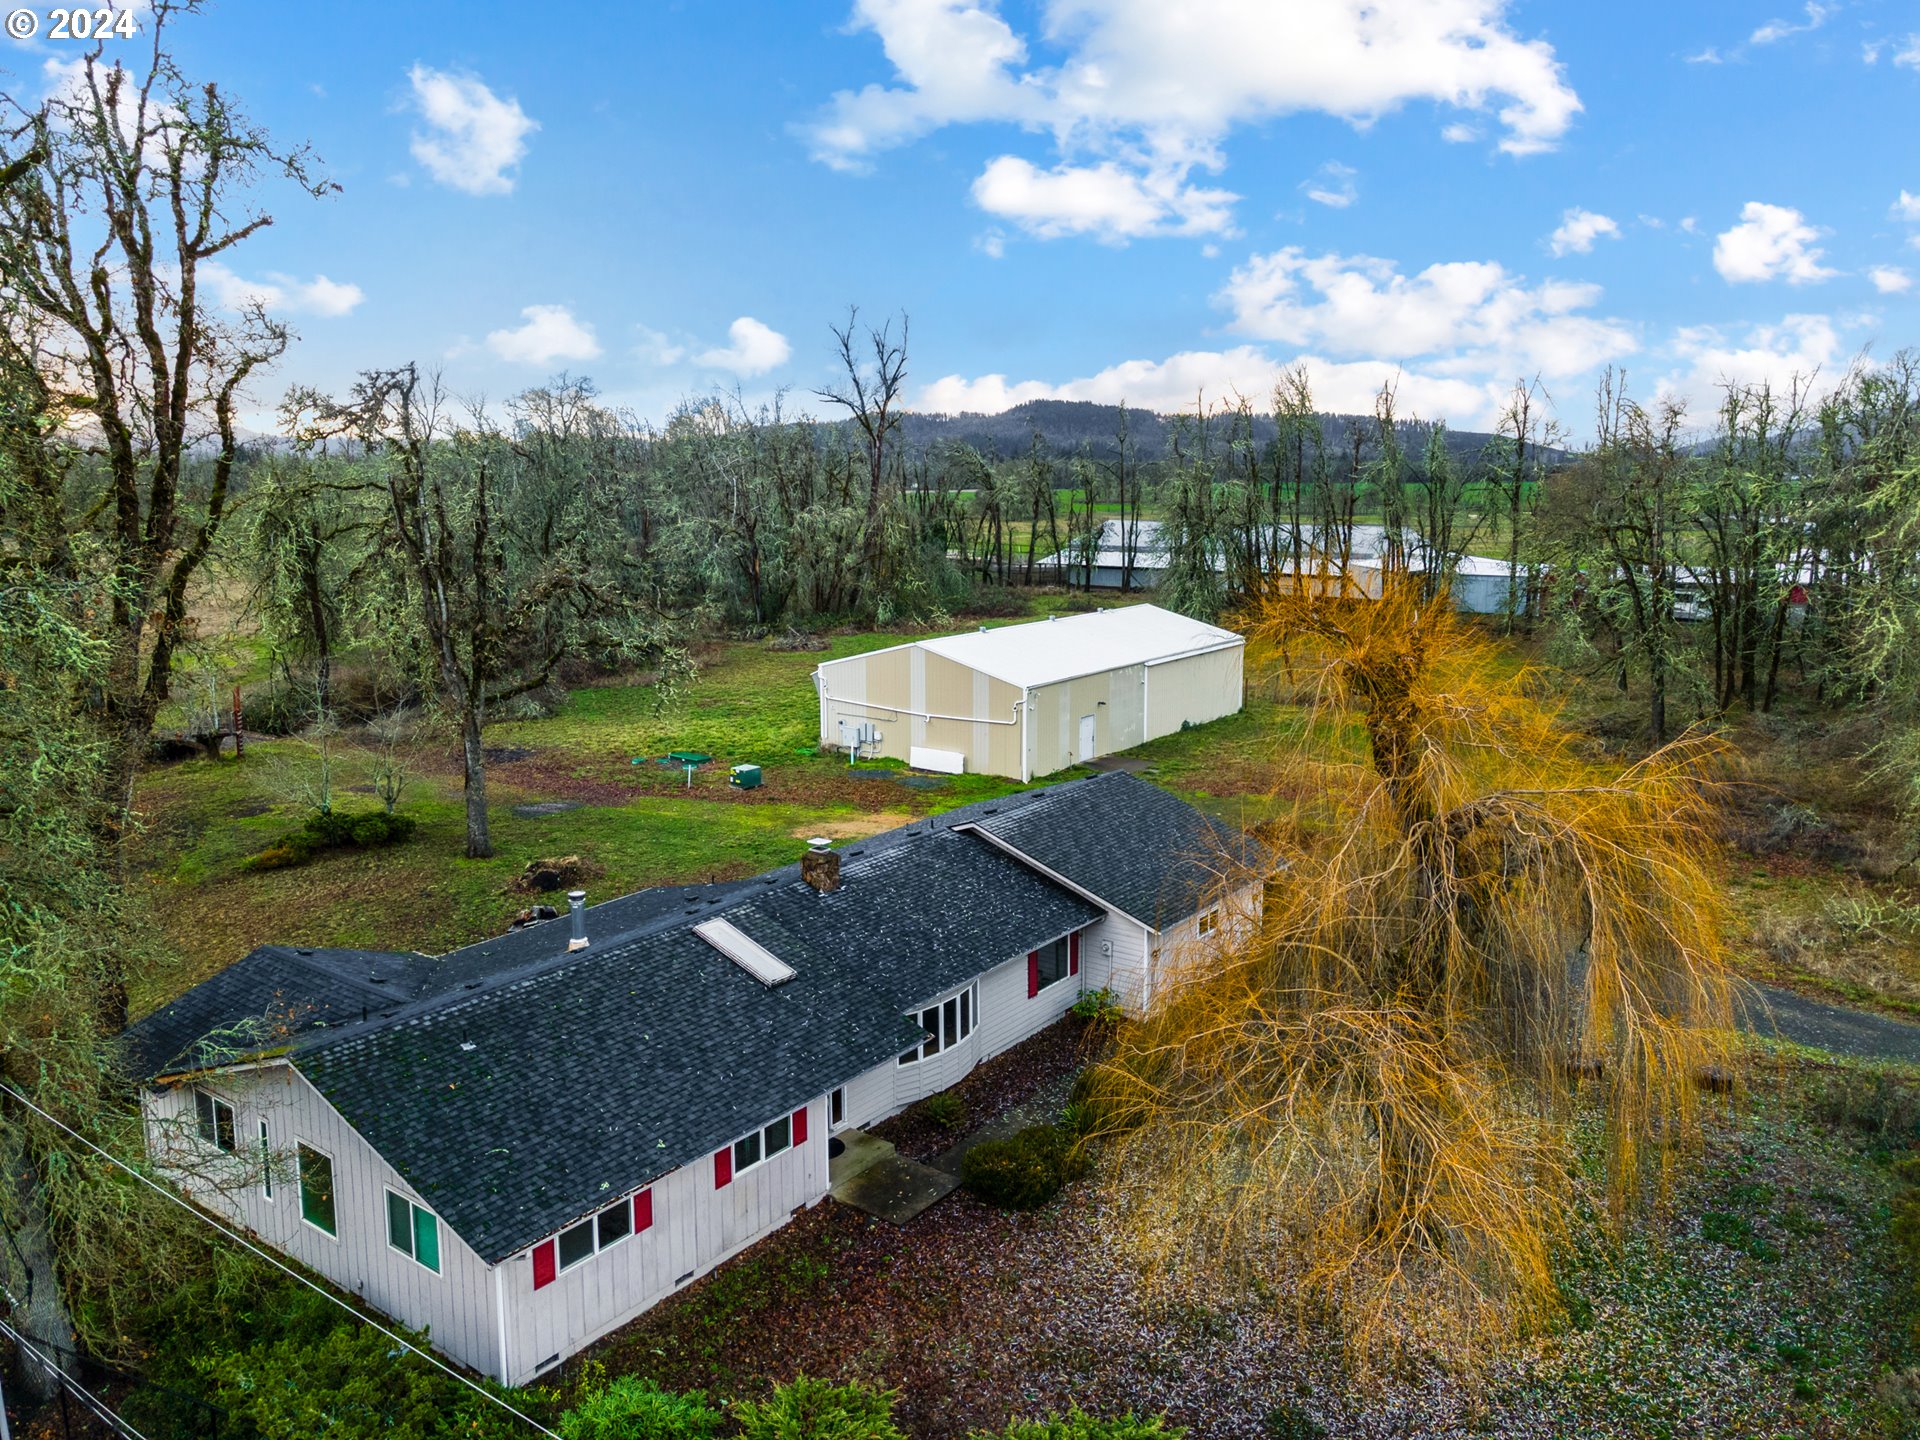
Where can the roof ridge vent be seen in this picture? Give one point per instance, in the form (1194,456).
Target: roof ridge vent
(746,952)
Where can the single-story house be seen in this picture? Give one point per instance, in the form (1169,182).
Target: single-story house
(523,1144)
(1027,700)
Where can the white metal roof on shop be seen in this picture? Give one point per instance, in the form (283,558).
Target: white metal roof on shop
(1045,651)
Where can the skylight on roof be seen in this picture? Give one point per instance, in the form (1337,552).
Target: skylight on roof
(746,952)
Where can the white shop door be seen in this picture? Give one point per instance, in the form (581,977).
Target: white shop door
(1086,737)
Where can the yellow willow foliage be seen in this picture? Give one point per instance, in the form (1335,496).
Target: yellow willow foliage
(1361,1091)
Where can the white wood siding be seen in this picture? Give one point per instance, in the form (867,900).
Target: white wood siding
(1181,947)
(1004,1015)
(1113,956)
(1008,1015)
(695,1227)
(870,1097)
(455,1306)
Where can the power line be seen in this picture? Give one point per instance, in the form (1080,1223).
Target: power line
(86,1397)
(275,1261)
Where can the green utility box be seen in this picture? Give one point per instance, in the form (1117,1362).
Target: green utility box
(747,777)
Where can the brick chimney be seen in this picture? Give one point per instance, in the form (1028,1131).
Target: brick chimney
(820,866)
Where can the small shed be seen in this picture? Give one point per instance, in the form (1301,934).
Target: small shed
(1027,700)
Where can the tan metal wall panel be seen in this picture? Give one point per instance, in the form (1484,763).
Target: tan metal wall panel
(1194,690)
(871,689)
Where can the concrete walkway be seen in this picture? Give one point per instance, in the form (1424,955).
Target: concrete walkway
(1037,1110)
(872,1177)
(1857,1034)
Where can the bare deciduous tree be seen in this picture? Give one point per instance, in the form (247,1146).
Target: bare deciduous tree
(871,399)
(125,185)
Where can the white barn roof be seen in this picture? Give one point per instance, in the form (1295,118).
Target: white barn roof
(1044,651)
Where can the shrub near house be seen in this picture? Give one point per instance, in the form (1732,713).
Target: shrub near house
(330,830)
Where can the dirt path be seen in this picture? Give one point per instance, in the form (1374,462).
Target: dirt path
(1835,1028)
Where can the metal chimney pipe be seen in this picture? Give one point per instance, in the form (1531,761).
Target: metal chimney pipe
(577,903)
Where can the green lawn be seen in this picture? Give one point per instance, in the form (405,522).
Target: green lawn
(640,824)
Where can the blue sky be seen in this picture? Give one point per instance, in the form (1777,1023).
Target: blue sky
(1099,199)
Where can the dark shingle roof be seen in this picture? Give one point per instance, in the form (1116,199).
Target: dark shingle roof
(272,999)
(517,1087)
(593,1075)
(1129,842)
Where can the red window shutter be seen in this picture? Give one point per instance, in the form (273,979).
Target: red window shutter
(800,1126)
(642,1211)
(1073,953)
(723,1167)
(544,1268)
(1033,973)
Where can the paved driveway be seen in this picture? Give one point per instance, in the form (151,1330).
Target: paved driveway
(1835,1028)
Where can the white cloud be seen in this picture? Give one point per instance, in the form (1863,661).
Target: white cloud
(1106,201)
(472,137)
(1774,355)
(651,347)
(550,333)
(1171,385)
(1890,279)
(755,349)
(1458,318)
(1154,89)
(1578,229)
(1332,184)
(1775,30)
(1460,133)
(1771,242)
(1907,207)
(280,293)
(1709,56)
(1909,53)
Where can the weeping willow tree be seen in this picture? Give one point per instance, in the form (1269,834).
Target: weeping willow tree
(1470,937)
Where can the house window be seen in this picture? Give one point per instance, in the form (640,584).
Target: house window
(213,1117)
(763,1144)
(576,1243)
(837,1109)
(1056,961)
(412,1230)
(597,1232)
(266,1164)
(613,1224)
(946,1024)
(316,1188)
(1209,922)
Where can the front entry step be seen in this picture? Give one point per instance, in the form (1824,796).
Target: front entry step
(893,1189)
(851,1151)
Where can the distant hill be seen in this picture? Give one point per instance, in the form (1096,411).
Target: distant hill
(1076,426)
